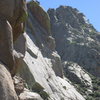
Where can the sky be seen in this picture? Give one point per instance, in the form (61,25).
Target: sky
(90,8)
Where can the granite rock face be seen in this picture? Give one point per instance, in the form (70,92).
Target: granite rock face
(6,51)
(38,72)
(42,67)
(76,39)
(42,17)
(12,19)
(53,61)
(7,91)
(78,75)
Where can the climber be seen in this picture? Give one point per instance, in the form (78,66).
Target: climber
(13,14)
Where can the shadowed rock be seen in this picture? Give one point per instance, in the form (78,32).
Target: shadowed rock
(12,23)
(6,44)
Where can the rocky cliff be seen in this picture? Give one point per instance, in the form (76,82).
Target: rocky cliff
(76,39)
(77,43)
(61,60)
(42,68)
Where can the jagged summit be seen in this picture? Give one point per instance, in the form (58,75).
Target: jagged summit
(69,15)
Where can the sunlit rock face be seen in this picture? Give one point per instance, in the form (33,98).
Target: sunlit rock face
(7,91)
(50,59)
(38,72)
(41,67)
(76,39)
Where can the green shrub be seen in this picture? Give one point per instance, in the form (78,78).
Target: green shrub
(44,95)
(95,87)
(97,94)
(89,98)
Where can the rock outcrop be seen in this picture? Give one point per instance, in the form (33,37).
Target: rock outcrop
(76,39)
(27,95)
(77,43)
(6,44)
(12,20)
(42,67)
(7,91)
(42,17)
(52,61)
(76,74)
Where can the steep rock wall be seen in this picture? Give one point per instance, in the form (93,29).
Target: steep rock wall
(41,67)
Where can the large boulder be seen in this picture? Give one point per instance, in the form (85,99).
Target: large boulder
(19,51)
(6,44)
(15,12)
(42,17)
(28,95)
(7,91)
(22,92)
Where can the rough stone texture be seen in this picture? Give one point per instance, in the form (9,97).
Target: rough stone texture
(76,39)
(18,84)
(27,95)
(6,44)
(77,75)
(7,8)
(18,19)
(7,91)
(22,92)
(41,17)
(20,45)
(42,68)
(19,51)
(14,11)
(12,18)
